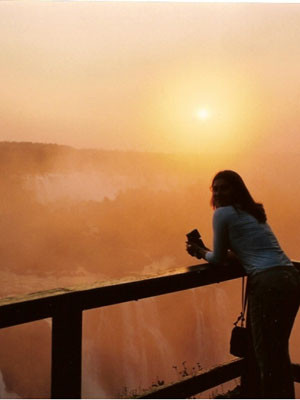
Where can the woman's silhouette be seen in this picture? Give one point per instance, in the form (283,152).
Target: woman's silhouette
(241,230)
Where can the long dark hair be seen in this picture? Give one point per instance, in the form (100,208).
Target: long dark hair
(241,199)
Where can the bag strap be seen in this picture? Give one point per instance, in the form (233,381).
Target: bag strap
(241,317)
(244,294)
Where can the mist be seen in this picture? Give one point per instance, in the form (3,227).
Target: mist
(72,216)
(107,166)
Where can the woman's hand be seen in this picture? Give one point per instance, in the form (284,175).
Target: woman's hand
(195,250)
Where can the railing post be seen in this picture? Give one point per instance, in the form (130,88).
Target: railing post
(66,354)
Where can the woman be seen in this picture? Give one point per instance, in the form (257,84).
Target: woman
(240,226)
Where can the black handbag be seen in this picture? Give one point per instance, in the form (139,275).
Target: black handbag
(239,335)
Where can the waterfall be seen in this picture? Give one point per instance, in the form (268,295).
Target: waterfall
(4,393)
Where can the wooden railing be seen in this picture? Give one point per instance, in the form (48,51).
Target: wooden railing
(65,307)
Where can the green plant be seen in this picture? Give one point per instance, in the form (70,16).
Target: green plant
(183,372)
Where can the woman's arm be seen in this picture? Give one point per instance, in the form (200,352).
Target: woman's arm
(221,237)
(220,251)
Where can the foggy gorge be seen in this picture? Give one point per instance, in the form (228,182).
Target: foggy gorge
(72,216)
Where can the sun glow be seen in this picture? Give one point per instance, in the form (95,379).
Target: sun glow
(203,114)
(194,114)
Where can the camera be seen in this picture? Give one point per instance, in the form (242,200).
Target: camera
(195,237)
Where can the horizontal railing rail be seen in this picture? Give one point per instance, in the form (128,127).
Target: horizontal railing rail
(203,380)
(45,304)
(65,307)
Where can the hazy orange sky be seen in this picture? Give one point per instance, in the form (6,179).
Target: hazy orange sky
(151,76)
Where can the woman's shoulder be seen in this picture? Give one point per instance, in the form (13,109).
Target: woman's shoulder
(225,211)
(224,214)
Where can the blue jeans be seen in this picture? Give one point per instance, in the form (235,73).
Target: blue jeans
(273,302)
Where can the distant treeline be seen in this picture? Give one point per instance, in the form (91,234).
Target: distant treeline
(42,158)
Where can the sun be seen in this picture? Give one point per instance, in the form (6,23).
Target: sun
(203,114)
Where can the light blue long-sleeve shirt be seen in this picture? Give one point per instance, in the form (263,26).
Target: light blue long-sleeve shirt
(254,243)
